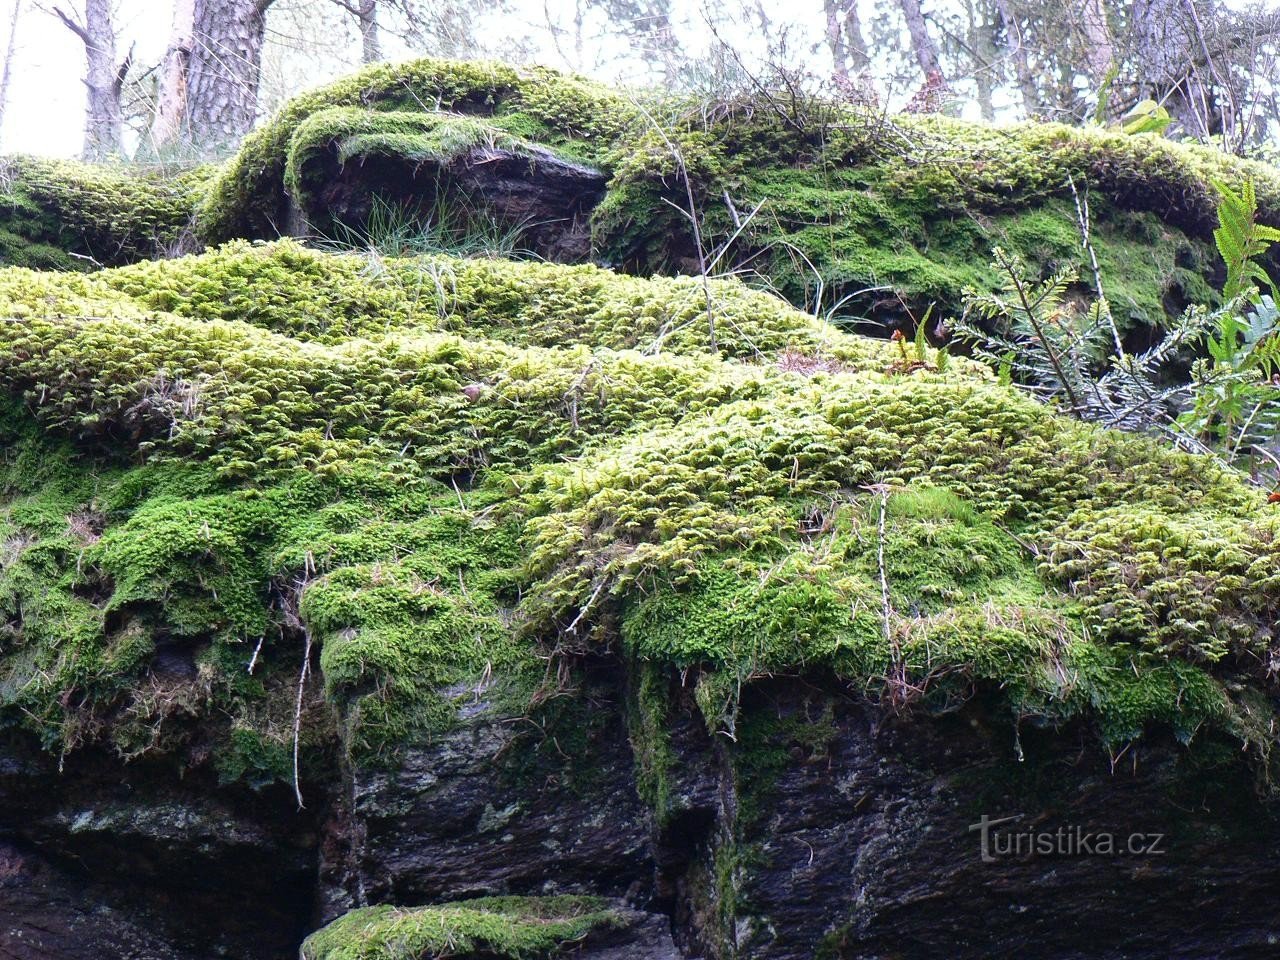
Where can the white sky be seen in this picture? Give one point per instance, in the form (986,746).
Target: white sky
(45,110)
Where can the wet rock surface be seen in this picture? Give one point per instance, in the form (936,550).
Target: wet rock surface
(859,841)
(503,805)
(108,860)
(830,827)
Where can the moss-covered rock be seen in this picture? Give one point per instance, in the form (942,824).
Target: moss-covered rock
(411,534)
(841,212)
(501,928)
(838,210)
(62,215)
(865,216)
(442,472)
(382,109)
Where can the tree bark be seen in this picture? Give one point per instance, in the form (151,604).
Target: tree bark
(982,50)
(103,78)
(1166,49)
(844,38)
(1018,53)
(1099,45)
(171,95)
(922,44)
(370,44)
(224,71)
(11,45)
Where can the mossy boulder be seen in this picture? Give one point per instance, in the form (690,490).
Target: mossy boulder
(443,472)
(841,211)
(500,928)
(403,115)
(63,215)
(845,213)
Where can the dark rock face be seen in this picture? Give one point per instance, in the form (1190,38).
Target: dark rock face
(543,199)
(101,860)
(829,827)
(641,936)
(45,913)
(858,841)
(504,806)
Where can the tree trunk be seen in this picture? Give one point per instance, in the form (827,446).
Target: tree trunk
(171,95)
(11,45)
(224,72)
(1166,48)
(1099,46)
(370,45)
(844,38)
(103,79)
(926,50)
(1018,53)
(982,49)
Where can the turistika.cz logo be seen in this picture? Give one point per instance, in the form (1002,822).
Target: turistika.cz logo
(997,840)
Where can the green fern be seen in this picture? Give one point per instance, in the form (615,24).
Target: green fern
(1242,241)
(1065,354)
(1236,400)
(1046,347)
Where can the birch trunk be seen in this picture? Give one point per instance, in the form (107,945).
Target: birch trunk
(103,79)
(370,42)
(11,45)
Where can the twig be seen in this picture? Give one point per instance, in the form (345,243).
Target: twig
(253,661)
(897,668)
(573,627)
(297,712)
(1082,218)
(692,214)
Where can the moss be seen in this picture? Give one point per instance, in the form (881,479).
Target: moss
(510,928)
(435,467)
(330,140)
(249,198)
(648,721)
(62,215)
(858,215)
(868,217)
(1192,584)
(768,743)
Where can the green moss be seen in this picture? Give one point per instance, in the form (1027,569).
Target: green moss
(62,215)
(509,928)
(768,743)
(1194,584)
(648,720)
(328,141)
(854,214)
(249,199)
(433,468)
(869,217)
